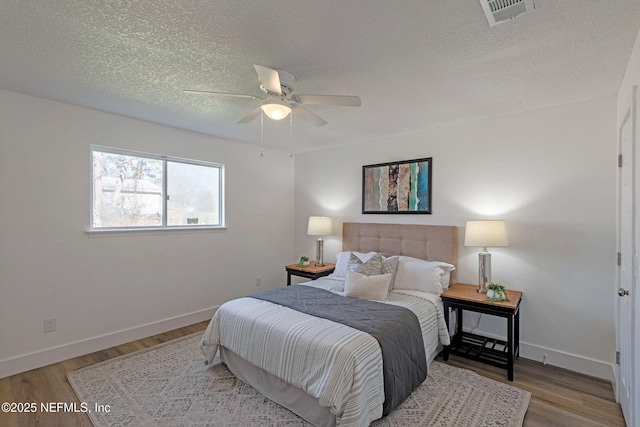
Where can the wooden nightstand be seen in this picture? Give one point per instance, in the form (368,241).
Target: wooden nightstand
(492,351)
(310,271)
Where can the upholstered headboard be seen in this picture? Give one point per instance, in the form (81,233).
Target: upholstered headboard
(428,242)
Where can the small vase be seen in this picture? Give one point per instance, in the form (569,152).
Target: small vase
(490,294)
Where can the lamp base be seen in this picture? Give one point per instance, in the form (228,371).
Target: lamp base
(484,271)
(319,253)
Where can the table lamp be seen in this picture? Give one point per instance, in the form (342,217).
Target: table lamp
(319,226)
(484,234)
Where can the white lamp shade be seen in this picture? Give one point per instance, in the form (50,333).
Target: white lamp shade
(276,110)
(485,233)
(319,226)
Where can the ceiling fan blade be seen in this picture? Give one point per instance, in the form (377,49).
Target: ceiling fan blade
(341,100)
(269,78)
(252,115)
(235,95)
(307,115)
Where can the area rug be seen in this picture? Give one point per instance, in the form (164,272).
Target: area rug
(169,385)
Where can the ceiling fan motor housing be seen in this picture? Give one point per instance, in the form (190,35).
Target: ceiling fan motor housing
(286,84)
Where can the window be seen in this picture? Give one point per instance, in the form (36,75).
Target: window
(131,190)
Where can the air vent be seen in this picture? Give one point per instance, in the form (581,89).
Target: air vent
(498,11)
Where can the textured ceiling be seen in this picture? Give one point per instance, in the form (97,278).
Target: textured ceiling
(414,64)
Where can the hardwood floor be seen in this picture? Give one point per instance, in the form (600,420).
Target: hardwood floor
(559,397)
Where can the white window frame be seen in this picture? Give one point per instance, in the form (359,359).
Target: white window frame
(164,159)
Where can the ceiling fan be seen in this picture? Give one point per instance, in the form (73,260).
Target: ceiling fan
(279,99)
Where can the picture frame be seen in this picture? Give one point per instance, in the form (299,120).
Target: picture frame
(402,187)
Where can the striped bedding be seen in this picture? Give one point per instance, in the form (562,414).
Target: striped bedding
(338,365)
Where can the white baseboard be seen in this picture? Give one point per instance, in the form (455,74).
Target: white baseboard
(26,362)
(581,364)
(584,365)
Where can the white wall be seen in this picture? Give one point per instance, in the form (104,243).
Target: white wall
(550,174)
(108,290)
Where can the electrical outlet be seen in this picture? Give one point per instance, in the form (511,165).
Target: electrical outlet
(258,281)
(50,324)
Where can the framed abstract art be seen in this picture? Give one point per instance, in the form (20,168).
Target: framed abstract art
(397,187)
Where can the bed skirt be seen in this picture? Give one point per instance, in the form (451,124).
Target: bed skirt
(281,392)
(292,398)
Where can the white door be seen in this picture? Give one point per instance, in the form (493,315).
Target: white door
(626,273)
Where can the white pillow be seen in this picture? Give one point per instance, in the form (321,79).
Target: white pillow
(358,285)
(445,273)
(419,275)
(342,261)
(445,277)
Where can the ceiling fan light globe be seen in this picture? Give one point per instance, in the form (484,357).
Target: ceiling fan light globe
(276,110)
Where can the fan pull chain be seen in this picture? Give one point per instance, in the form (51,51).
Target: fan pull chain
(261,133)
(291,134)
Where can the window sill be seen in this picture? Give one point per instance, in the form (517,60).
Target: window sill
(110,232)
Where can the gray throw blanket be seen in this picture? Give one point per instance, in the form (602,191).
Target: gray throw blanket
(397,329)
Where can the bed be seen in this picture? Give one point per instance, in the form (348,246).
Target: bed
(329,370)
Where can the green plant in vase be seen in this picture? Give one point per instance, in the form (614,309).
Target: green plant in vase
(304,260)
(496,293)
